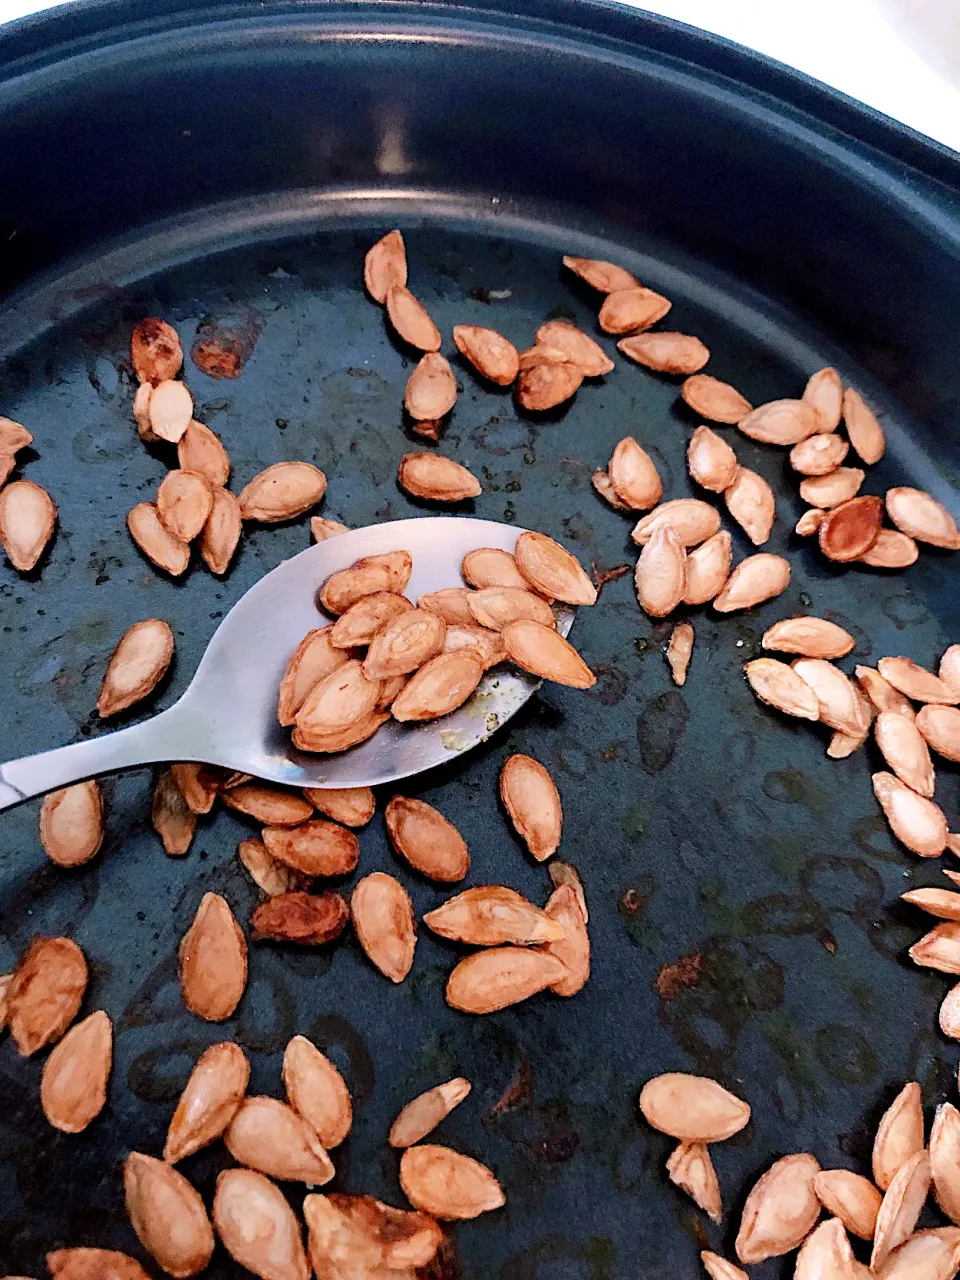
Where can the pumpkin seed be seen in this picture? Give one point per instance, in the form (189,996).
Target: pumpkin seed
(314,848)
(92,1264)
(281,492)
(270,805)
(552,570)
(779,686)
(785,422)
(661,574)
(384,923)
(943,903)
(881,693)
(210,1100)
(13,436)
(451,603)
(307,919)
(780,1211)
(71,824)
(692,520)
(170,410)
(810,522)
(322,529)
(45,992)
(949,669)
(492,567)
(501,976)
(573,949)
(484,645)
(865,432)
(945,1159)
(351,806)
(751,502)
(404,643)
(824,391)
(892,550)
(439,687)
(200,450)
(436,479)
(679,651)
(268,1136)
(710,461)
(634,477)
(708,567)
(939,949)
(901,1207)
(141,412)
(604,486)
(810,637)
(929,1255)
(830,490)
(426,839)
(172,818)
(431,389)
(490,353)
(368,1237)
(755,579)
(905,751)
(136,666)
(818,455)
(851,1198)
(327,743)
(315,658)
(422,1114)
(916,682)
(411,320)
(447,1184)
(849,530)
(221,533)
(837,695)
(167,1214)
(692,1108)
(916,821)
(385,266)
(153,538)
(545,385)
(184,502)
(257,1227)
(529,795)
(603,276)
(541,353)
(578,346)
(156,352)
(940,728)
(490,915)
(827,1252)
(632,310)
(715,400)
(317,1091)
(339,700)
(545,653)
(691,1169)
(718,1268)
(922,517)
(679,353)
(899,1135)
(213,961)
(73,1088)
(28,516)
(268,873)
(565,873)
(494,607)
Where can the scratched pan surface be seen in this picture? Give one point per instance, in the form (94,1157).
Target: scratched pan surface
(230,166)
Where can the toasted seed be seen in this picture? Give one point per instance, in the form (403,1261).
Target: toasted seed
(541,353)
(899,1135)
(270,805)
(71,824)
(678,353)
(865,432)
(545,653)
(604,486)
(529,795)
(693,521)
(692,1108)
(428,840)
(809,522)
(422,1114)
(314,658)
(949,669)
(384,923)
(892,550)
(343,739)
(270,1137)
(902,746)
(257,1227)
(603,276)
(500,976)
(390,572)
(490,915)
(73,1089)
(901,1207)
(925,1255)
(939,949)
(827,1252)
(282,491)
(209,1101)
(779,686)
(167,1214)
(824,391)
(317,1091)
(492,567)
(201,452)
(837,696)
(451,603)
(323,529)
(490,353)
(631,310)
(916,682)
(751,502)
(440,686)
(810,637)
(758,578)
(780,1211)
(690,1168)
(849,530)
(352,806)
(841,744)
(710,460)
(155,351)
(404,643)
(818,455)
(564,906)
(411,320)
(170,410)
(44,994)
(715,400)
(480,642)
(13,436)
(136,666)
(708,567)
(153,538)
(545,385)
(368,1237)
(447,1184)
(314,848)
(943,903)
(784,422)
(916,822)
(221,533)
(661,573)
(267,872)
(27,518)
(578,346)
(431,388)
(436,479)
(494,607)
(385,266)
(945,1159)
(679,651)
(307,919)
(633,476)
(92,1264)
(830,490)
(184,501)
(552,570)
(339,700)
(718,1268)
(940,728)
(213,961)
(881,693)
(920,515)
(565,873)
(851,1198)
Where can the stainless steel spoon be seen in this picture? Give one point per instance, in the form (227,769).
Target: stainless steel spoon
(228,714)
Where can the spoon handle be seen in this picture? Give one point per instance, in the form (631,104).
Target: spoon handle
(164,737)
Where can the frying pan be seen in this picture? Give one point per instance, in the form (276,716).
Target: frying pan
(226,166)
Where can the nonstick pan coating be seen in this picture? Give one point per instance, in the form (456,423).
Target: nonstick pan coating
(232,163)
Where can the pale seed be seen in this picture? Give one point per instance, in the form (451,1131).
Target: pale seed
(837,695)
(784,422)
(257,1227)
(91,1264)
(221,533)
(945,1159)
(529,795)
(545,653)
(830,490)
(501,976)
(633,476)
(544,385)
(679,651)
(809,522)
(170,410)
(849,530)
(491,567)
(27,518)
(661,573)
(494,607)
(184,501)
(865,432)
(155,350)
(916,821)
(943,903)
(708,567)
(339,700)
(892,550)
(411,320)
(352,806)
(899,1135)
(480,642)
(810,637)
(824,391)
(925,1255)
(902,746)
(213,961)
(428,840)
(362,621)
(692,520)
(490,353)
(940,727)
(431,389)
(451,603)
(758,578)
(881,693)
(209,1101)
(780,1211)
(385,924)
(901,1207)
(270,805)
(818,455)
(939,949)
(13,436)
(604,486)
(439,687)
(715,400)
(73,1088)
(779,686)
(603,276)
(154,539)
(200,451)
(949,669)
(314,658)
(827,1252)
(422,1114)
(71,824)
(565,873)
(282,491)
(751,502)
(167,1214)
(404,643)
(679,353)
(342,740)
(136,666)
(949,1018)
(690,1168)
(692,1108)
(322,529)
(141,412)
(710,461)
(314,848)
(718,1268)
(490,915)
(317,1091)
(632,310)
(447,1184)
(385,266)
(270,1137)
(578,346)
(916,682)
(267,872)
(307,919)
(851,1198)
(552,570)
(573,949)
(44,993)
(436,479)
(922,517)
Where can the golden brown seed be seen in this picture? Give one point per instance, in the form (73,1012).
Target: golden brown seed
(92,1264)
(352,806)
(364,1237)
(529,795)
(901,1207)
(949,669)
(851,1198)
(490,353)
(540,353)
(282,491)
(27,518)
(892,550)
(830,490)
(810,637)
(167,1214)
(916,682)
(715,400)
(257,1227)
(545,653)
(690,1168)
(945,1159)
(849,530)
(603,276)
(209,1101)
(809,522)
(411,320)
(916,822)
(136,666)
(404,643)
(364,619)
(447,1184)
(201,451)
(422,1114)
(943,903)
(170,410)
(634,477)
(837,696)
(385,266)
(565,908)
(501,976)
(545,385)
(899,1135)
(490,915)
(428,840)
(431,390)
(930,1255)
(692,520)
(436,479)
(384,923)
(45,991)
(678,353)
(270,805)
(390,690)
(881,693)
(784,422)
(779,686)
(184,501)
(708,567)
(922,517)
(270,1137)
(339,700)
(552,570)
(221,533)
(692,1108)
(780,1211)
(154,539)
(314,658)
(439,687)
(73,1089)
(710,460)
(632,310)
(213,961)
(317,1091)
(491,567)
(939,949)
(865,432)
(661,573)
(307,919)
(71,824)
(818,455)
(578,347)
(267,872)
(751,502)
(480,642)
(718,1268)
(322,529)
(940,727)
(155,351)
(359,731)
(902,746)
(314,848)
(824,391)
(451,603)
(679,651)
(758,578)
(565,873)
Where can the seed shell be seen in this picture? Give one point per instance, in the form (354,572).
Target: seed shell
(715,400)
(73,1088)
(751,502)
(168,1216)
(71,824)
(678,353)
(154,539)
(490,353)
(824,391)
(530,796)
(422,1114)
(210,1100)
(317,1091)
(385,266)
(426,839)
(281,492)
(213,961)
(45,992)
(501,976)
(28,516)
(411,320)
(156,352)
(257,1227)
(384,923)
(780,1211)
(447,1184)
(545,653)
(306,919)
(758,578)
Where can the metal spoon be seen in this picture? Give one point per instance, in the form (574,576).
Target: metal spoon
(228,714)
